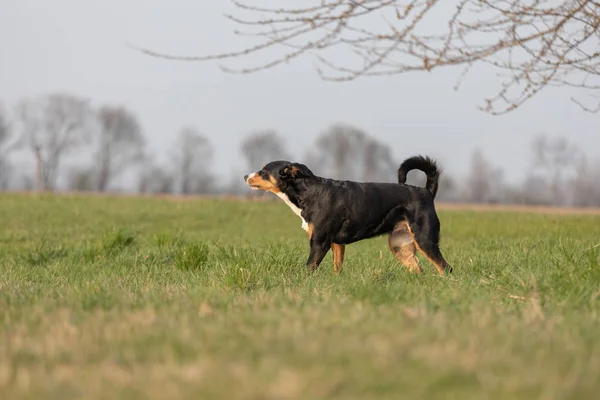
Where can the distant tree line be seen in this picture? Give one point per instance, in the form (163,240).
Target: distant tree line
(108,142)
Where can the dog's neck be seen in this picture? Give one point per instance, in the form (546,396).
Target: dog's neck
(294,208)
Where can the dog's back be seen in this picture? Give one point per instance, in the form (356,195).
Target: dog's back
(359,210)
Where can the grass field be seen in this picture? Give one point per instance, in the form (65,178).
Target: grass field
(107,297)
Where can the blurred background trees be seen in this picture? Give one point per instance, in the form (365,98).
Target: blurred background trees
(71,145)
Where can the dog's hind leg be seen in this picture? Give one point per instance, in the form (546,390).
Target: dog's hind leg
(401,244)
(425,233)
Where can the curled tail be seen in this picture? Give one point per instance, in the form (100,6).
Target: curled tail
(424,164)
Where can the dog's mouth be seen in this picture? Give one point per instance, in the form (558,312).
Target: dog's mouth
(250,181)
(256,182)
(256,186)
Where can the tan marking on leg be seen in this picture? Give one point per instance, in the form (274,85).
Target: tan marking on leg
(404,251)
(309,230)
(406,255)
(338,257)
(439,267)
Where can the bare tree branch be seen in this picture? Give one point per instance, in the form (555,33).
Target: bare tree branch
(536,43)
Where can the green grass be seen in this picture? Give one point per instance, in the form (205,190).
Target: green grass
(152,298)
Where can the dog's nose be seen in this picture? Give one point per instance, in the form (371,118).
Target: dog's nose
(245,177)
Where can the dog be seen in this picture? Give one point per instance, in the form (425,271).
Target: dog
(336,213)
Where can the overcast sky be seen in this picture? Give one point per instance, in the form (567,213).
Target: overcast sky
(79,47)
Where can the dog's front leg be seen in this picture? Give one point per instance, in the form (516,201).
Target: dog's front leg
(318,250)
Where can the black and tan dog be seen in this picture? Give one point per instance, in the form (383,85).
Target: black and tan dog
(335,213)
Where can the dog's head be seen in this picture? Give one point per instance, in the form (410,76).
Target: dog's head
(276,175)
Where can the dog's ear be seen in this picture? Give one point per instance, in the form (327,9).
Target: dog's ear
(295,171)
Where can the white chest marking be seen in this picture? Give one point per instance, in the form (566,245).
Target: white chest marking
(295,209)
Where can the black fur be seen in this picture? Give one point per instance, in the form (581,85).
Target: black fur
(344,212)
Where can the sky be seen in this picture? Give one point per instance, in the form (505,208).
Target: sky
(79,47)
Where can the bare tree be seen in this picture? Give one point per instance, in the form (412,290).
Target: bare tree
(336,150)
(534,190)
(159,181)
(484,182)
(236,185)
(261,147)
(5,133)
(535,44)
(120,143)
(378,163)
(586,191)
(81,179)
(448,189)
(51,127)
(192,156)
(554,157)
(154,178)
(346,152)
